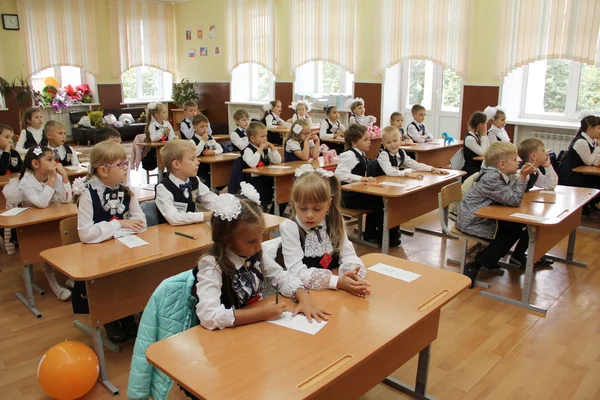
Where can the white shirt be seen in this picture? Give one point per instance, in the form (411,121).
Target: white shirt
(187,133)
(496,134)
(40,195)
(416,135)
(211,143)
(364,120)
(89,232)
(588,157)
(273,121)
(476,148)
(176,213)
(211,312)
(62,153)
(345,166)
(252,159)
(293,145)
(334,128)
(306,117)
(239,142)
(547,181)
(156,130)
(37,134)
(293,254)
(384,162)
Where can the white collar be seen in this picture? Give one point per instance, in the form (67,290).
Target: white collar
(176,180)
(504,176)
(188,120)
(241,129)
(98,185)
(589,139)
(358,151)
(164,124)
(236,260)
(333,123)
(198,136)
(306,228)
(32,129)
(495,128)
(55,148)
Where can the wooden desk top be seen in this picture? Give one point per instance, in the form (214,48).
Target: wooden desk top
(276,172)
(286,129)
(83,262)
(220,137)
(335,140)
(588,170)
(34,215)
(72,173)
(567,200)
(412,185)
(280,359)
(153,144)
(431,146)
(218,158)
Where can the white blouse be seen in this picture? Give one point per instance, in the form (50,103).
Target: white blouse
(156,131)
(293,145)
(239,142)
(253,158)
(40,195)
(496,134)
(273,121)
(293,254)
(384,162)
(37,134)
(364,120)
(307,118)
(475,147)
(211,143)
(211,312)
(345,166)
(90,232)
(418,136)
(334,128)
(588,157)
(176,213)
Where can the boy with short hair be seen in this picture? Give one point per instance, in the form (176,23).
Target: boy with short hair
(56,133)
(205,145)
(190,108)
(239,137)
(496,184)
(417,130)
(532,151)
(178,193)
(10,159)
(103,134)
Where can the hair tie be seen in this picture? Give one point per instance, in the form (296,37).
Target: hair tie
(297,129)
(304,168)
(267,107)
(227,207)
(348,103)
(250,192)
(79,186)
(295,105)
(152,106)
(37,151)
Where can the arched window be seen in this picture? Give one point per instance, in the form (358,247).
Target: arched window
(65,75)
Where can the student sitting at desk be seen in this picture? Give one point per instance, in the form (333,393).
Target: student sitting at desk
(239,137)
(205,144)
(10,159)
(532,151)
(300,143)
(234,273)
(43,182)
(314,241)
(476,143)
(106,209)
(56,133)
(416,130)
(103,134)
(495,185)
(178,193)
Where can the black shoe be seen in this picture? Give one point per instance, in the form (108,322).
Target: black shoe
(129,325)
(395,241)
(520,262)
(471,271)
(115,333)
(545,261)
(371,237)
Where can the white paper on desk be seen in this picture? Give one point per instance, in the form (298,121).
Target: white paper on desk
(278,167)
(231,154)
(529,217)
(74,167)
(394,272)
(393,184)
(132,241)
(299,323)
(13,211)
(547,192)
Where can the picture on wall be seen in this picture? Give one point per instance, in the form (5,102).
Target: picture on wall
(188,34)
(203,51)
(211,32)
(217,50)
(191,53)
(200,32)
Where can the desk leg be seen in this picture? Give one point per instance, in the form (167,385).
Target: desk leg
(34,285)
(103,376)
(570,251)
(88,331)
(420,389)
(527,280)
(28,302)
(275,202)
(385,243)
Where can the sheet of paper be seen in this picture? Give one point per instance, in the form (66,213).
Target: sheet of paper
(132,241)
(547,192)
(74,167)
(299,323)
(13,211)
(529,217)
(278,167)
(393,184)
(394,272)
(231,154)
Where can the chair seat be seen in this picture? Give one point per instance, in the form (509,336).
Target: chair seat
(455,231)
(353,213)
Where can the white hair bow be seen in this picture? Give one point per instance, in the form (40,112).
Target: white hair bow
(267,107)
(227,207)
(79,186)
(304,168)
(307,103)
(490,112)
(250,192)
(297,129)
(37,151)
(348,103)
(152,106)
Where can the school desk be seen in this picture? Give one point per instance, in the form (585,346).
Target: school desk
(588,170)
(434,153)
(159,162)
(221,138)
(120,280)
(284,178)
(372,153)
(364,342)
(37,230)
(401,204)
(563,212)
(220,168)
(142,194)
(314,128)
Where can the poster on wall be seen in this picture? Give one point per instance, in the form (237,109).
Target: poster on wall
(191,53)
(217,50)
(203,51)
(211,32)
(200,33)
(188,34)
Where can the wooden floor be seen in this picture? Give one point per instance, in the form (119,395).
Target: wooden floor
(485,349)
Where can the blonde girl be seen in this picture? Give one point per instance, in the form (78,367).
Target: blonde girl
(300,143)
(357,113)
(301,109)
(158,128)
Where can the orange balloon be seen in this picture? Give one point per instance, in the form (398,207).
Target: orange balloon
(51,81)
(68,370)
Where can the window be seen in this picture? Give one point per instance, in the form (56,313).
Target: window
(252,82)
(423,77)
(146,83)
(322,78)
(64,76)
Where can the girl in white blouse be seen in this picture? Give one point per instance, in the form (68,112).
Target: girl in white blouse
(300,143)
(158,129)
(497,116)
(357,113)
(272,118)
(314,241)
(234,273)
(476,143)
(43,181)
(301,109)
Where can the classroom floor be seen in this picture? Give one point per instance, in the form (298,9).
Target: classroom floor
(485,349)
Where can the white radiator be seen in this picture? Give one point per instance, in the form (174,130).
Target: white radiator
(553,141)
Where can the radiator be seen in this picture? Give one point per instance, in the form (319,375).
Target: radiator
(553,141)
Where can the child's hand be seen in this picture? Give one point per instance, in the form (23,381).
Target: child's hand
(262,146)
(136,225)
(338,134)
(271,311)
(305,306)
(368,179)
(208,152)
(437,171)
(205,137)
(207,215)
(271,146)
(408,141)
(60,170)
(52,169)
(316,138)
(354,284)
(413,175)
(527,170)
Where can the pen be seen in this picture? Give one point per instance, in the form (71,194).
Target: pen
(184,235)
(543,201)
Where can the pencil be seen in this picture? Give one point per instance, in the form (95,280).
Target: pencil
(184,235)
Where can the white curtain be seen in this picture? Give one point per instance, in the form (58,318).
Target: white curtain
(548,29)
(59,32)
(143,33)
(251,33)
(434,30)
(323,30)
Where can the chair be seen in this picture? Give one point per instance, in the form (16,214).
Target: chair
(151,212)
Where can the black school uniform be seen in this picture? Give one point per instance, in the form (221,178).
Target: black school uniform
(471,166)
(10,162)
(262,184)
(572,160)
(30,140)
(179,196)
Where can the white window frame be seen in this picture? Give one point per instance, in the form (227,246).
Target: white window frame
(346,81)
(165,86)
(251,77)
(2,103)
(86,78)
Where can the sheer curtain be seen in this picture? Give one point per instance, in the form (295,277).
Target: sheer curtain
(548,29)
(323,30)
(251,33)
(434,30)
(59,32)
(144,34)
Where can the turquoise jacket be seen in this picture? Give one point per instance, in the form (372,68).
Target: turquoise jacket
(170,310)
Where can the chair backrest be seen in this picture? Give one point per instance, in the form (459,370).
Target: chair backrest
(151,212)
(450,194)
(68,231)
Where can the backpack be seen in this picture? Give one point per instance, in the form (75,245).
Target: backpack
(228,147)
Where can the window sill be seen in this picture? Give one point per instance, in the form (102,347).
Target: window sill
(3,109)
(77,105)
(544,123)
(246,103)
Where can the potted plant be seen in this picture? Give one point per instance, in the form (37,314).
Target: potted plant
(184,91)
(22,91)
